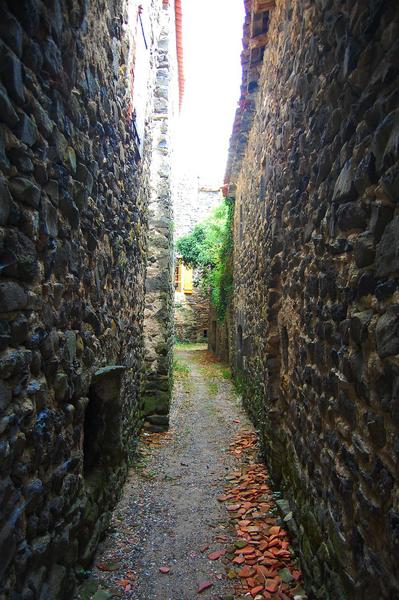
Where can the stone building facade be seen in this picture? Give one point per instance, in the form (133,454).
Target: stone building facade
(76,113)
(158,323)
(193,203)
(191,305)
(314,171)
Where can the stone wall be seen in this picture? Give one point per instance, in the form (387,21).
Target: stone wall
(158,325)
(73,216)
(219,335)
(315,174)
(191,315)
(193,202)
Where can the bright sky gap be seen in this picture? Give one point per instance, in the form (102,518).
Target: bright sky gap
(212,34)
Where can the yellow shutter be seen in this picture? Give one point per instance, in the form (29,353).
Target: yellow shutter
(179,276)
(188,280)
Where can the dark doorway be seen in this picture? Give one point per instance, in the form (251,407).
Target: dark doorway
(92,433)
(102,441)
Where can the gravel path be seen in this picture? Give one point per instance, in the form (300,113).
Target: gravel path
(169,515)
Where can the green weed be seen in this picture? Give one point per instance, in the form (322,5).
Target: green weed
(225,372)
(213,388)
(180,369)
(150,474)
(190,346)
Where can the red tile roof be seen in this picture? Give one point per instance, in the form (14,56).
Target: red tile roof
(179,48)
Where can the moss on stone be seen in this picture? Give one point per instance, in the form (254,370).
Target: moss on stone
(158,404)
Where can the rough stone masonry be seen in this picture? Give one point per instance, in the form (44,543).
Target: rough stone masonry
(158,316)
(315,175)
(76,100)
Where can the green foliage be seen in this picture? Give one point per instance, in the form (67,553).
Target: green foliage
(201,247)
(180,369)
(225,372)
(208,248)
(213,388)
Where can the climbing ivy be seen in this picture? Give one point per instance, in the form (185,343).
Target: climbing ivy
(208,248)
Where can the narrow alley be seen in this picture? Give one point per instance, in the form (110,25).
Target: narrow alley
(171,534)
(183,183)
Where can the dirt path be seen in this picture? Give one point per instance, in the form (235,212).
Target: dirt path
(169,512)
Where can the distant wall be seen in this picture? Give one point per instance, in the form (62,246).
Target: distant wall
(191,316)
(314,169)
(74,191)
(193,203)
(219,333)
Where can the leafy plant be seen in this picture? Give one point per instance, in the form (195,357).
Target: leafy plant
(180,369)
(208,248)
(226,373)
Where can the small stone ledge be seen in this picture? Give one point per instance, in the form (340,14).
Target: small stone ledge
(107,383)
(157,423)
(108,371)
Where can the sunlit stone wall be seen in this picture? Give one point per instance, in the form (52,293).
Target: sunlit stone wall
(74,194)
(316,313)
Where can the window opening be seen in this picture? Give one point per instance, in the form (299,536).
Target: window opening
(92,433)
(179,276)
(188,280)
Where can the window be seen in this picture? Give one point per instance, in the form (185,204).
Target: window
(102,439)
(178,277)
(183,278)
(92,434)
(188,280)
(260,23)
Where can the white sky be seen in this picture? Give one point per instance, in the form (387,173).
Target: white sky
(212,43)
